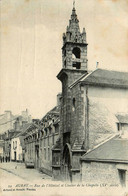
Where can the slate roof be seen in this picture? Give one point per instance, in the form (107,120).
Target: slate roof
(54,111)
(24,129)
(105,78)
(114,150)
(122,118)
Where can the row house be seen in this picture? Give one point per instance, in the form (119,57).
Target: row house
(31,138)
(17,144)
(10,126)
(39,141)
(1,149)
(49,136)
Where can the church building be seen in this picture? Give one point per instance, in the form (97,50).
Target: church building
(89,105)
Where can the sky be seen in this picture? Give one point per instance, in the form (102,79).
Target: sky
(31,42)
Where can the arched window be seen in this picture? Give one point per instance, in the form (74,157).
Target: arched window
(73,104)
(76,53)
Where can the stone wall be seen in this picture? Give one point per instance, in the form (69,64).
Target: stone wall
(104,104)
(30,152)
(101,172)
(45,153)
(67,52)
(77,115)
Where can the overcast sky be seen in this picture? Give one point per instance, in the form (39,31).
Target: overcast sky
(31,41)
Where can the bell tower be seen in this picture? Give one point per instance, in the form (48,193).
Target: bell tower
(74,50)
(74,65)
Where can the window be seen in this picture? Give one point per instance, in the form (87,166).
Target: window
(57,128)
(48,140)
(76,52)
(73,104)
(45,153)
(122,176)
(65,64)
(48,154)
(46,132)
(15,144)
(38,134)
(76,58)
(118,126)
(50,130)
(44,142)
(64,52)
(53,139)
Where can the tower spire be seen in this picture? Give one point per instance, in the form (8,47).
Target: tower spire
(74,48)
(73,33)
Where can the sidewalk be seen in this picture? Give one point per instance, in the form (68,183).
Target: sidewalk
(20,170)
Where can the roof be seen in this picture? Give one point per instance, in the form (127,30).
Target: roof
(122,118)
(25,128)
(54,111)
(105,78)
(114,150)
(102,122)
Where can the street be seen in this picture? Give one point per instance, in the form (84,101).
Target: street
(15,177)
(19,171)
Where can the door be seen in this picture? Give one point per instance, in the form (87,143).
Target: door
(37,156)
(67,164)
(14,156)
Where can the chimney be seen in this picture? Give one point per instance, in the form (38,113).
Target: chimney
(8,114)
(97,65)
(25,115)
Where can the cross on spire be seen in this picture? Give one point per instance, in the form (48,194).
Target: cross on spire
(73,3)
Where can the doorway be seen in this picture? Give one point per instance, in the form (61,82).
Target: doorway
(14,156)
(37,156)
(67,163)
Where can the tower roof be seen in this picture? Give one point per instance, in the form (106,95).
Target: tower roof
(73,33)
(74,22)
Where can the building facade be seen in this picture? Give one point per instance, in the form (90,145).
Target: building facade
(1,149)
(17,144)
(6,121)
(89,104)
(39,141)
(107,164)
(10,126)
